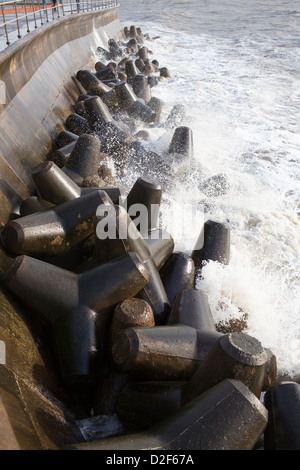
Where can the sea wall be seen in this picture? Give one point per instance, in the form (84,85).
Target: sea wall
(37,72)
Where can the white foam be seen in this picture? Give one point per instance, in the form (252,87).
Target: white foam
(241,101)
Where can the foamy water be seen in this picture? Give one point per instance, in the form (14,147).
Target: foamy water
(241,94)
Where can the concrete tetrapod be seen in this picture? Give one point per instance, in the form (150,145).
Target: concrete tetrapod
(160,244)
(131,71)
(85,158)
(172,352)
(140,64)
(133,105)
(235,356)
(143,52)
(164,72)
(77,307)
(140,110)
(226,417)
(177,274)
(61,155)
(107,94)
(130,312)
(191,308)
(114,141)
(144,197)
(55,186)
(120,237)
(125,95)
(283,405)
(175,351)
(213,244)
(108,73)
(77,124)
(65,138)
(55,231)
(86,78)
(156,105)
(182,142)
(141,87)
(97,113)
(34,204)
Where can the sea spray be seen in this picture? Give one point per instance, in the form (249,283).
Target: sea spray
(244,126)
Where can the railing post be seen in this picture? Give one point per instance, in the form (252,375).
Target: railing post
(58,15)
(35,23)
(25,9)
(41,17)
(62,7)
(17,19)
(5,27)
(46,10)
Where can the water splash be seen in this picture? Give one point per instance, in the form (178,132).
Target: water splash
(245,126)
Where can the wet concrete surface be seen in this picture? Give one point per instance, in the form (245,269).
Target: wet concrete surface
(35,412)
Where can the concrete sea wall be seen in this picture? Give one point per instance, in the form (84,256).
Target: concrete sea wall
(39,92)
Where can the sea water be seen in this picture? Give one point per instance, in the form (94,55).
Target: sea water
(235,67)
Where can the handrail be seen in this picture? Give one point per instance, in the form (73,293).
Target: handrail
(23,16)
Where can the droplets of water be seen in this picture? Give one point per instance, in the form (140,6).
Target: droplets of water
(240,96)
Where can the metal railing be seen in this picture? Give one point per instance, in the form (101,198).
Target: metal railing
(23,16)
